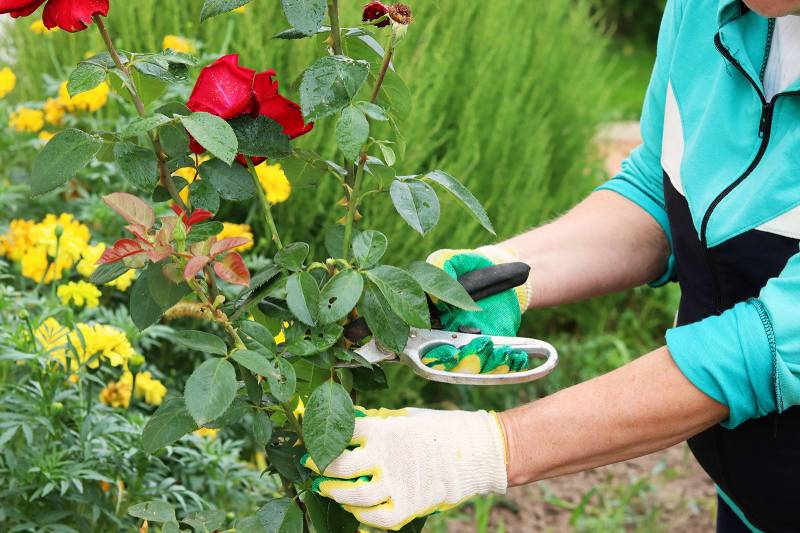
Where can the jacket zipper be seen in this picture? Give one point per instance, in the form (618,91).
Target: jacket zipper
(764,131)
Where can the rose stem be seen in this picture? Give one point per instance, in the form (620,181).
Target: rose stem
(355,195)
(336,31)
(165,177)
(265,206)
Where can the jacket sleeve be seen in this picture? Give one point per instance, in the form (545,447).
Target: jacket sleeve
(640,179)
(747,358)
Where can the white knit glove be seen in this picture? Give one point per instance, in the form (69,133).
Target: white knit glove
(411,462)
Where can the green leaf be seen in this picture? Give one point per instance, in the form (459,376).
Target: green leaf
(415,526)
(373,111)
(302,297)
(327,516)
(174,140)
(292,255)
(144,310)
(204,230)
(403,293)
(145,124)
(137,164)
(86,76)
(262,428)
(231,182)
(388,328)
(248,524)
(304,15)
(330,84)
(259,334)
(171,527)
(339,295)
(369,379)
(212,8)
(65,154)
(438,283)
(368,248)
(260,136)
(352,131)
(334,240)
(315,340)
(388,154)
(200,341)
(328,423)
(254,361)
(235,412)
(395,95)
(170,422)
(285,458)
(164,292)
(210,390)
(202,195)
(205,521)
(462,194)
(108,272)
(213,134)
(417,204)
(281,516)
(154,511)
(282,387)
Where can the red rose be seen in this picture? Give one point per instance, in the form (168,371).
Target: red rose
(227,90)
(374,11)
(69,15)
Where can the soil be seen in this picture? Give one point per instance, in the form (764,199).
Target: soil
(672,488)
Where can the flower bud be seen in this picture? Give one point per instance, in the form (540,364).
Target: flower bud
(374,11)
(400,14)
(179,232)
(219,300)
(59,231)
(135,362)
(56,407)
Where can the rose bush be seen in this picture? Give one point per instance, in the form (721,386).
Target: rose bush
(275,344)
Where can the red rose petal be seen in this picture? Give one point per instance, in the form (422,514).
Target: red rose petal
(72,15)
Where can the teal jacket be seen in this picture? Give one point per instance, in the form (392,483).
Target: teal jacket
(706,136)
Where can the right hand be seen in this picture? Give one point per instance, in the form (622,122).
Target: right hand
(501,313)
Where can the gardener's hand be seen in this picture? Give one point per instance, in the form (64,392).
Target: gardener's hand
(410,463)
(501,313)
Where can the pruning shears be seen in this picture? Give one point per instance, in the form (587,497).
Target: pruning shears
(479,284)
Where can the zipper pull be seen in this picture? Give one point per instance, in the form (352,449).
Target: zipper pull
(766,119)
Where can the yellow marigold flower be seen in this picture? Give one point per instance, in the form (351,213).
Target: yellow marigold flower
(149,388)
(274,181)
(46,135)
(39,28)
(229,229)
(15,241)
(190,174)
(73,241)
(82,293)
(8,80)
(52,337)
(93,343)
(90,100)
(118,393)
(53,111)
(26,119)
(36,265)
(207,433)
(177,44)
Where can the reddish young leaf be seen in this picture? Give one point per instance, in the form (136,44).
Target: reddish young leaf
(160,252)
(138,230)
(228,243)
(132,208)
(199,215)
(164,235)
(195,265)
(232,269)
(119,250)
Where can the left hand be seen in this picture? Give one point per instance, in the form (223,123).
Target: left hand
(412,462)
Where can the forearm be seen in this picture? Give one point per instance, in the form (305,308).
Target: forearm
(642,407)
(604,244)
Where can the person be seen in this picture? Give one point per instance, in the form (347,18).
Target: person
(711,199)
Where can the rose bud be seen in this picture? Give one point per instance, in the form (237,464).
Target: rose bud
(227,90)
(69,15)
(374,11)
(401,14)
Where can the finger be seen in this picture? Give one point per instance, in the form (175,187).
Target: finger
(363,492)
(440,257)
(383,516)
(350,464)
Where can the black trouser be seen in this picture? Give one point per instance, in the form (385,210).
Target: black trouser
(727,521)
